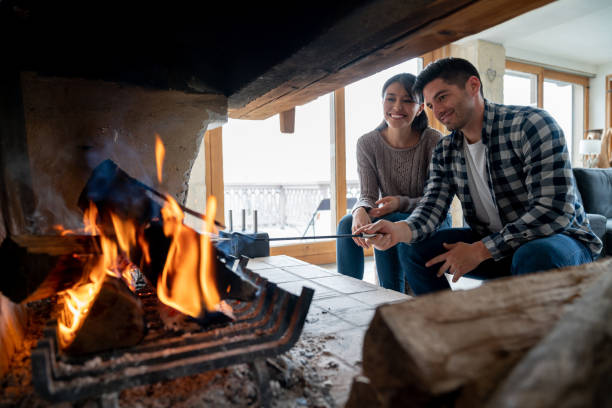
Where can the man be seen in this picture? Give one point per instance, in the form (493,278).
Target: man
(510,168)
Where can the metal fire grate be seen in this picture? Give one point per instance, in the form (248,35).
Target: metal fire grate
(267,326)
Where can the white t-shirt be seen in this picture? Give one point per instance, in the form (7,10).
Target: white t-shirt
(476,161)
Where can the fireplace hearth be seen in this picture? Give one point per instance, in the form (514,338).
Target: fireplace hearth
(264,327)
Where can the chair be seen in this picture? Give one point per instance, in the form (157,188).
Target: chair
(325,205)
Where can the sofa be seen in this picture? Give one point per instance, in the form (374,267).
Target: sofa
(595,188)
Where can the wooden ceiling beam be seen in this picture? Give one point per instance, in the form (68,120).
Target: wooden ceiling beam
(373,38)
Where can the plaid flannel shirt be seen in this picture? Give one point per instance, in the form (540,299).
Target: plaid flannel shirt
(530,179)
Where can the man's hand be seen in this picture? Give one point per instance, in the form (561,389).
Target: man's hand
(360,218)
(461,258)
(389,204)
(387,233)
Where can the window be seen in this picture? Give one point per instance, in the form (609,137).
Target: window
(520,88)
(563,95)
(294,181)
(284,177)
(364,114)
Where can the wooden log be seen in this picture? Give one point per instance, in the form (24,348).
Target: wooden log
(113,191)
(115,320)
(459,345)
(572,366)
(12,331)
(40,266)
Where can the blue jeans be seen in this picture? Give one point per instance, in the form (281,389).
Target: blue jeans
(390,264)
(540,254)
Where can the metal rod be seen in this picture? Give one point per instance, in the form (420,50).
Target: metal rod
(243,219)
(255,221)
(182,207)
(316,237)
(231,221)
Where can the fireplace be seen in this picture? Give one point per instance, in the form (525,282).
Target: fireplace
(82,85)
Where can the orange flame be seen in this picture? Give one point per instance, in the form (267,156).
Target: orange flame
(78,299)
(160,153)
(187,281)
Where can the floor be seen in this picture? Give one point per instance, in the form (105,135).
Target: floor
(339,315)
(369,275)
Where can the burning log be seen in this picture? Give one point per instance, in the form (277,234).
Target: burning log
(572,366)
(456,346)
(115,320)
(171,255)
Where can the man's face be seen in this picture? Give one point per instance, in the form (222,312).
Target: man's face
(452,105)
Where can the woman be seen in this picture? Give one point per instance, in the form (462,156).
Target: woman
(392,161)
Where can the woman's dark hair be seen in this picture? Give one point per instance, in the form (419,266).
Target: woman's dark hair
(420,121)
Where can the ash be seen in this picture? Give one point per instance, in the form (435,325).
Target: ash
(301,377)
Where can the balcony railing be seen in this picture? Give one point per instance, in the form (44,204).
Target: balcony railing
(279,206)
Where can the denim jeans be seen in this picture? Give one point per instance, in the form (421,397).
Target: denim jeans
(540,254)
(390,264)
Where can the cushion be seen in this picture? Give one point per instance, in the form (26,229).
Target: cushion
(598,224)
(595,186)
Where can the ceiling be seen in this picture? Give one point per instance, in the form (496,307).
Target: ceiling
(266,57)
(574,30)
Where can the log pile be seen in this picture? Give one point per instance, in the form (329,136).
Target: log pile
(455,348)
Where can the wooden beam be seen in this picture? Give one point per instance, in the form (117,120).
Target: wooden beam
(338,146)
(287,121)
(213,155)
(608,101)
(390,32)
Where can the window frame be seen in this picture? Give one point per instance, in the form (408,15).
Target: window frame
(542,73)
(315,252)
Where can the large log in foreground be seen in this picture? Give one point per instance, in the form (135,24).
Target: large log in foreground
(455,347)
(572,366)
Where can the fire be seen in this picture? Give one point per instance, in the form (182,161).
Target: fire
(160,154)
(78,299)
(187,282)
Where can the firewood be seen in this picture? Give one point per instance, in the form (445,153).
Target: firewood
(459,345)
(39,266)
(115,320)
(113,190)
(572,366)
(13,321)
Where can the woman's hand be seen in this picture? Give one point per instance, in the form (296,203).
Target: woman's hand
(360,218)
(388,234)
(389,204)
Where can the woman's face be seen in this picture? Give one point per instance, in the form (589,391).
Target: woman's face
(399,108)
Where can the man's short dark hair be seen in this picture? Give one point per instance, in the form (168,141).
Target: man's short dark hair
(454,71)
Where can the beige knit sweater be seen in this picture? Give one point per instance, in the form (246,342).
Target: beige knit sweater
(387,171)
